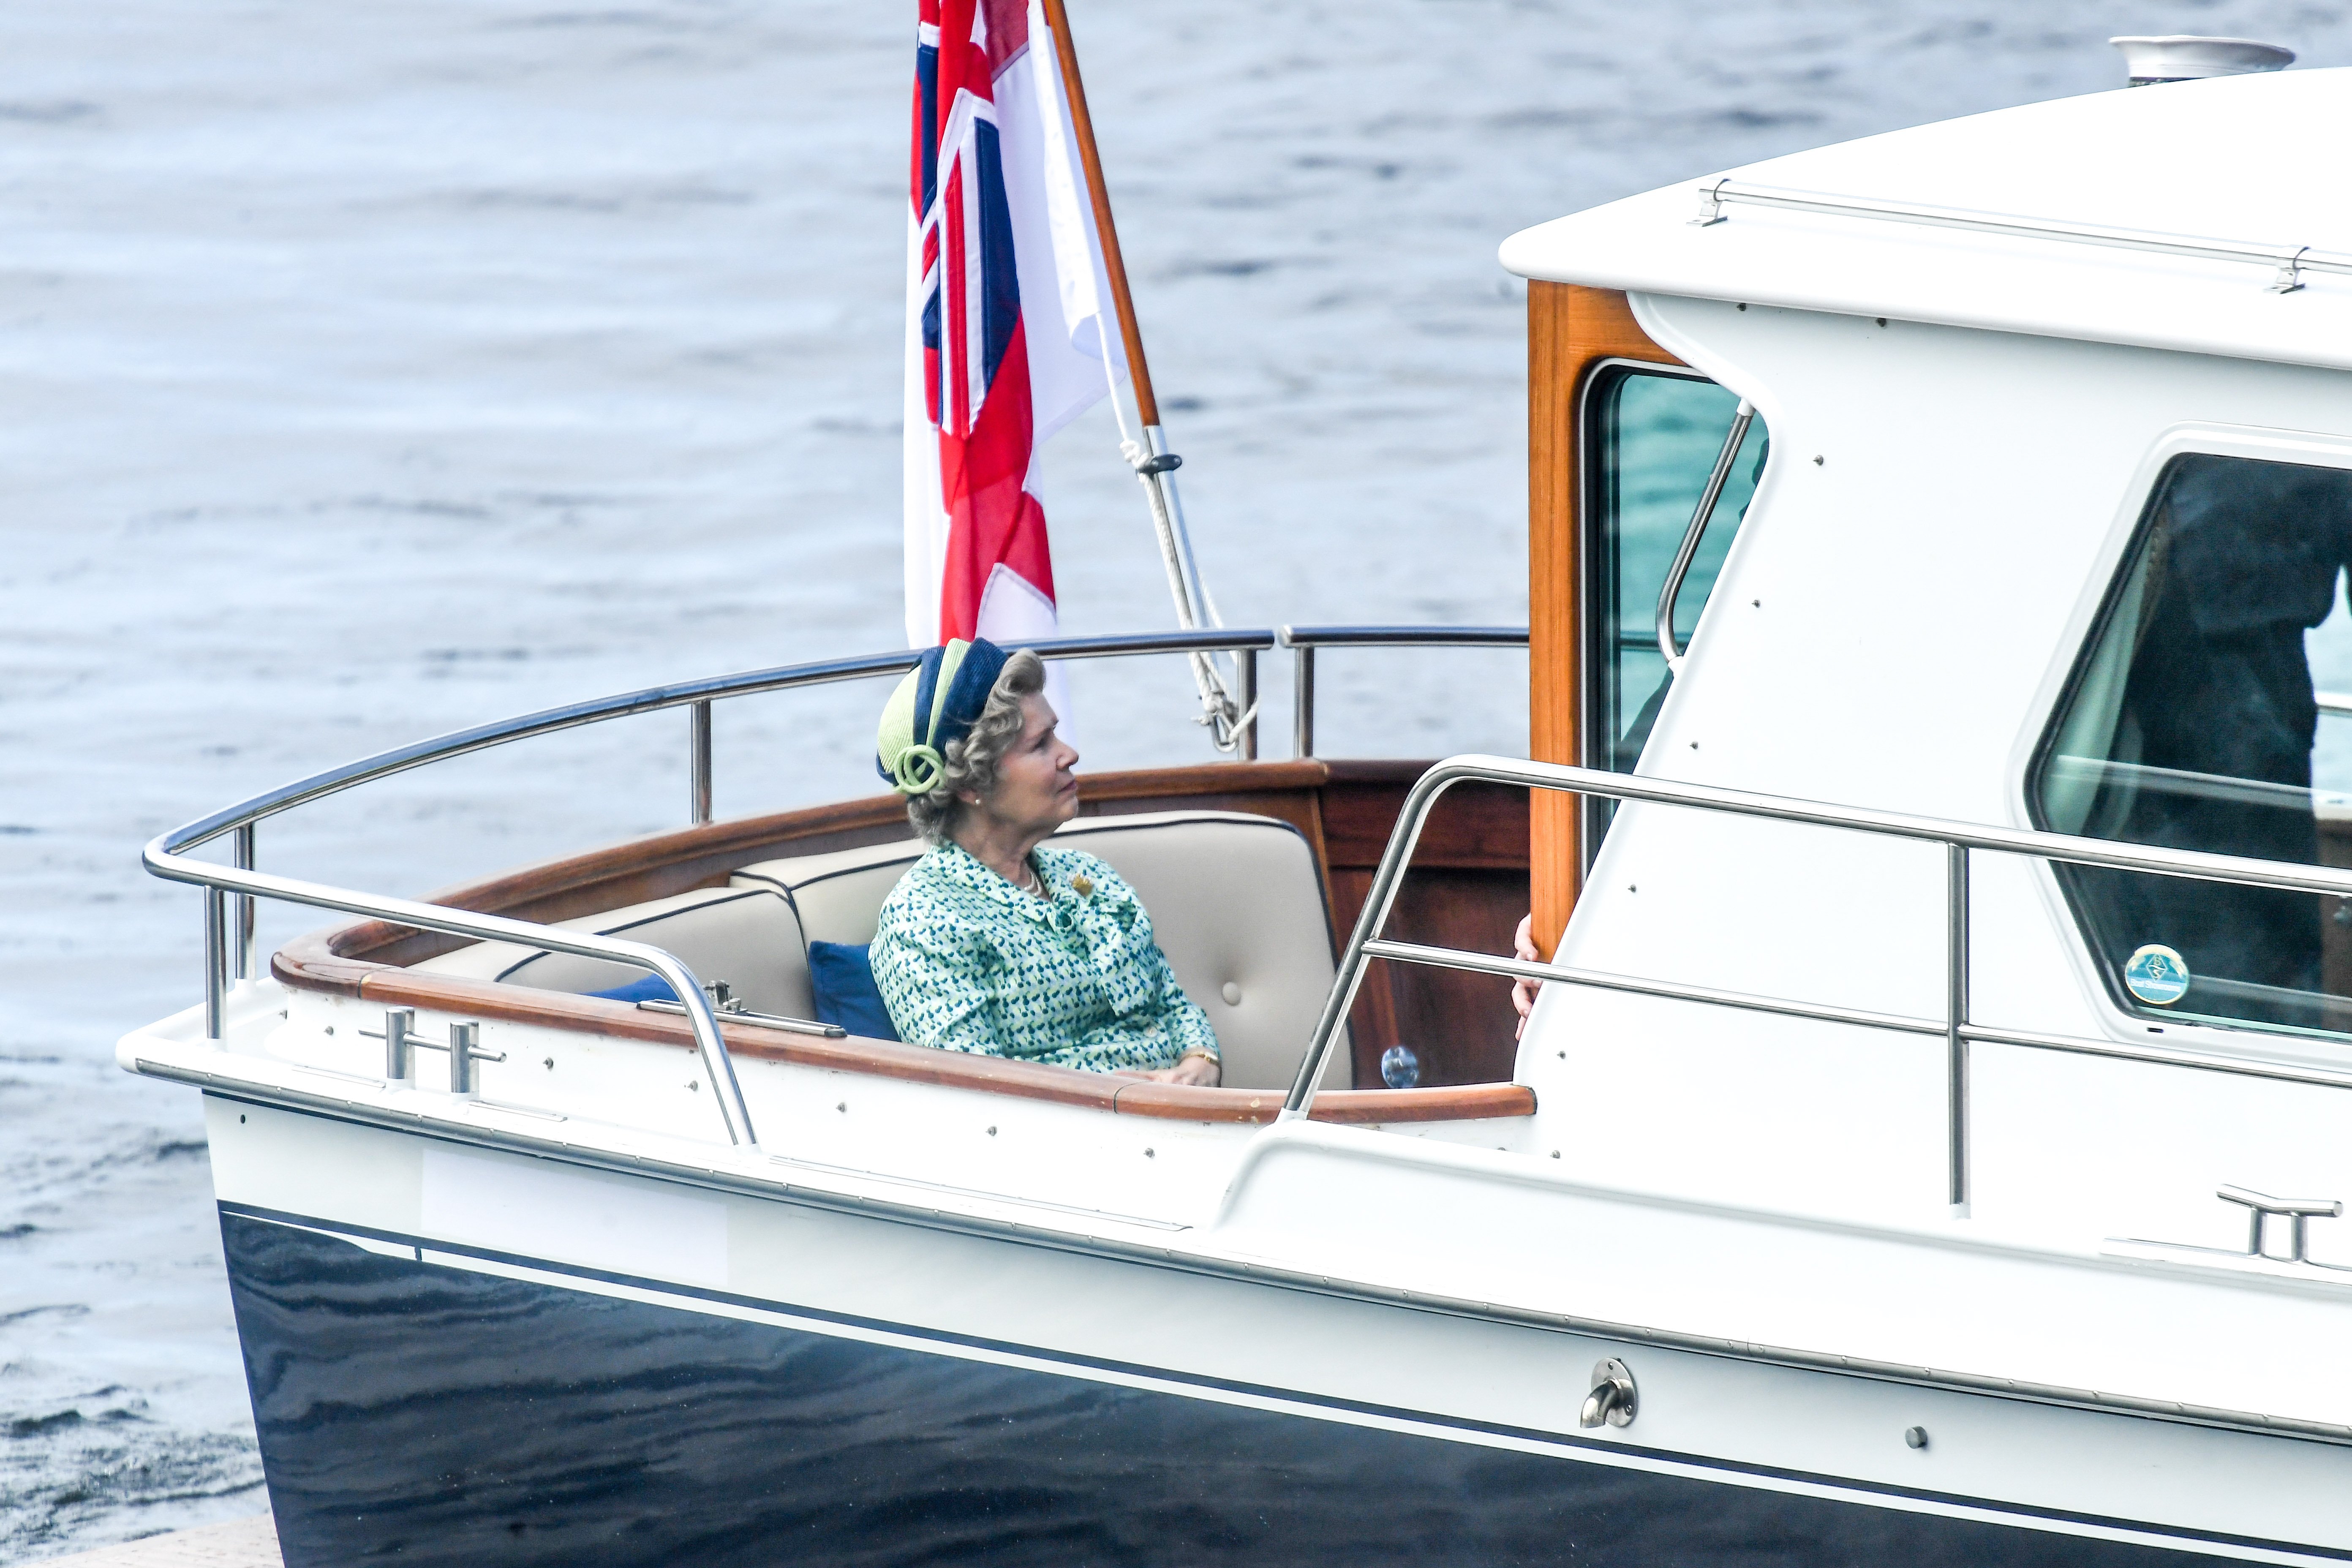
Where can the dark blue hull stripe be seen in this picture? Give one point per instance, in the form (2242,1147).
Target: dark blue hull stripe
(2082,1531)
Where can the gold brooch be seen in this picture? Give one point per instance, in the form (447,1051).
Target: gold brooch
(1083,885)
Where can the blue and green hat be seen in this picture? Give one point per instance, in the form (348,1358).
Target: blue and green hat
(935,706)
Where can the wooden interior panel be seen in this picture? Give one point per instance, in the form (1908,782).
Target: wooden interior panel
(1467,887)
(1461,1025)
(1473,826)
(1570,329)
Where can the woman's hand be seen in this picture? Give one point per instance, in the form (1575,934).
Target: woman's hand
(1523,992)
(1202,1070)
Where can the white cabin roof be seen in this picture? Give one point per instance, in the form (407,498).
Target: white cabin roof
(2249,161)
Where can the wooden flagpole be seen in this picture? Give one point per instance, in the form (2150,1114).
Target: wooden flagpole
(1230,726)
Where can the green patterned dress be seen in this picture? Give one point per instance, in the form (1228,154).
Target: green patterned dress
(967,961)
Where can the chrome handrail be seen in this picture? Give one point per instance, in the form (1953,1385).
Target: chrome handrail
(1701,515)
(229,891)
(2291,261)
(217,881)
(652,699)
(1303,641)
(1959,838)
(1403,637)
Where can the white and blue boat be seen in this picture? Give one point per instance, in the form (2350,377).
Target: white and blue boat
(1928,1144)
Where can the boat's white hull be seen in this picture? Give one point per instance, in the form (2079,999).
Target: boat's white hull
(465,1354)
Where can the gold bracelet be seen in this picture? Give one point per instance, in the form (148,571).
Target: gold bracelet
(1203,1052)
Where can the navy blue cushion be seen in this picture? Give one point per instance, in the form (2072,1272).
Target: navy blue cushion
(843,978)
(652,988)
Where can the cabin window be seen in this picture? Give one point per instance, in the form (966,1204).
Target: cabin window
(1654,435)
(2195,721)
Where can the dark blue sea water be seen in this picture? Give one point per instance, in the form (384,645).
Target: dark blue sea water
(372,369)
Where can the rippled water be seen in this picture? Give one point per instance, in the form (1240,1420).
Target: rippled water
(373,369)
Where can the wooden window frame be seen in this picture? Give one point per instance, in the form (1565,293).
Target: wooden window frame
(1573,333)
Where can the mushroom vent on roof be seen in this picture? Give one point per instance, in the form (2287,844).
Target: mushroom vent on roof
(2181,57)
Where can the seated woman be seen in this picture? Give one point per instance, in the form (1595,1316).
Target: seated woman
(995,943)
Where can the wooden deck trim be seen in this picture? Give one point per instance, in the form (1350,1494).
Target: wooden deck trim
(1354,1107)
(921,1064)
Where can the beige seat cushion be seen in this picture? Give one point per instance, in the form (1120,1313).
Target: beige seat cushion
(838,897)
(746,936)
(1235,902)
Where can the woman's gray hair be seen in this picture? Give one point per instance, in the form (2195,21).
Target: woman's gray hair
(971,761)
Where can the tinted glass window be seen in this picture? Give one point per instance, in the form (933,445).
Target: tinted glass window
(2193,723)
(1655,438)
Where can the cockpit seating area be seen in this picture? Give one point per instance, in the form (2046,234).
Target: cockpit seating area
(1248,869)
(1235,899)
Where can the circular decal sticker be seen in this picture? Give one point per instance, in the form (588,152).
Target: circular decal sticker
(2157,974)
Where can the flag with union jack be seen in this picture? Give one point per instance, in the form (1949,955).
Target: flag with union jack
(1007,332)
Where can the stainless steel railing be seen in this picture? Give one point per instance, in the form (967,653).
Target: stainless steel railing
(1302,642)
(1662,622)
(2290,262)
(218,882)
(230,890)
(1959,840)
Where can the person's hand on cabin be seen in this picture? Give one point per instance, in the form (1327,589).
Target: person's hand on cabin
(1523,992)
(1198,1067)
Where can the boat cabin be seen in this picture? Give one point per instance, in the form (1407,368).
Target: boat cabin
(2041,522)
